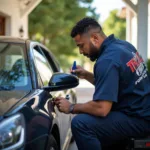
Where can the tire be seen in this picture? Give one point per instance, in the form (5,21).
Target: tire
(52,145)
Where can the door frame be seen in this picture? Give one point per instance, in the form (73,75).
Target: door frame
(2,25)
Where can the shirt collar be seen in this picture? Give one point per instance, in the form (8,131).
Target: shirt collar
(106,43)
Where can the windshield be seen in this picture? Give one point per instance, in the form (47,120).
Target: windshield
(14,73)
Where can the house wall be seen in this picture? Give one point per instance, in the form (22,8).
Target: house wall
(132,32)
(13,18)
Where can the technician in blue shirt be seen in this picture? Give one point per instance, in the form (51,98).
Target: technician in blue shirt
(120,108)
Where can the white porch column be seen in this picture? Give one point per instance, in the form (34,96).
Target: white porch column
(149,29)
(128,24)
(142,28)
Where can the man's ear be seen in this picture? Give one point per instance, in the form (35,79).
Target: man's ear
(94,38)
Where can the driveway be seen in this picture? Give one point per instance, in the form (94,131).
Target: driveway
(84,93)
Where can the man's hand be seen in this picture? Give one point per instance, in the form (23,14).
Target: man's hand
(62,104)
(80,72)
(84,74)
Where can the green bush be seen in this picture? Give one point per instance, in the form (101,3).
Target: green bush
(148,65)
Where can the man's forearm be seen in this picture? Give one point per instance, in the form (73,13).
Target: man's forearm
(90,77)
(89,108)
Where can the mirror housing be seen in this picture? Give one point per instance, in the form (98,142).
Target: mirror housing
(62,81)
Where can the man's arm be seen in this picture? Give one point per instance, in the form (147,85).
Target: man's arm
(97,108)
(90,77)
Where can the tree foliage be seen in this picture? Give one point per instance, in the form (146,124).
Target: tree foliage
(51,23)
(115,25)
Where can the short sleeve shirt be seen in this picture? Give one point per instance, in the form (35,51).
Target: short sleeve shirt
(121,77)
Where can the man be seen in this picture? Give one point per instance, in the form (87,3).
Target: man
(120,108)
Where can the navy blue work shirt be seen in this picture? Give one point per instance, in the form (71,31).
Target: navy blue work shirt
(121,77)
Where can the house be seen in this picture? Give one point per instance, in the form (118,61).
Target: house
(14,16)
(138,25)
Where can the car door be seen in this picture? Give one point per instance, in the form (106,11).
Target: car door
(63,119)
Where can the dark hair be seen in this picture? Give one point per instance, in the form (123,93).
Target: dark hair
(84,25)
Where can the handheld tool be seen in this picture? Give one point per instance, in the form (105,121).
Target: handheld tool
(74,67)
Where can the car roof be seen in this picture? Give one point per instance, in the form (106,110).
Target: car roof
(12,39)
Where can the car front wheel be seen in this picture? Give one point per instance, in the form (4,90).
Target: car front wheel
(52,145)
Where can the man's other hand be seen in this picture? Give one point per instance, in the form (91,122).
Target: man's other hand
(80,72)
(62,104)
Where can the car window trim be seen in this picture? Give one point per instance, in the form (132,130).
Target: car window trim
(50,59)
(36,64)
(38,85)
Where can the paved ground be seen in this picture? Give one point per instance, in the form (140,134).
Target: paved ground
(84,94)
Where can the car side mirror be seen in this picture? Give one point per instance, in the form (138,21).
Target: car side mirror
(62,81)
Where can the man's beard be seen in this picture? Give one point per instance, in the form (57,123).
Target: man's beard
(94,52)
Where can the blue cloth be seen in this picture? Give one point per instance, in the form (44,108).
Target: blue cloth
(107,133)
(121,77)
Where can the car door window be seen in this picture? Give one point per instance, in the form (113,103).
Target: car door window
(14,72)
(52,60)
(42,65)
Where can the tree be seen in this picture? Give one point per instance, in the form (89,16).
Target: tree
(52,21)
(115,24)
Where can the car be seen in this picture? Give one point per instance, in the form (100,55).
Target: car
(30,79)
